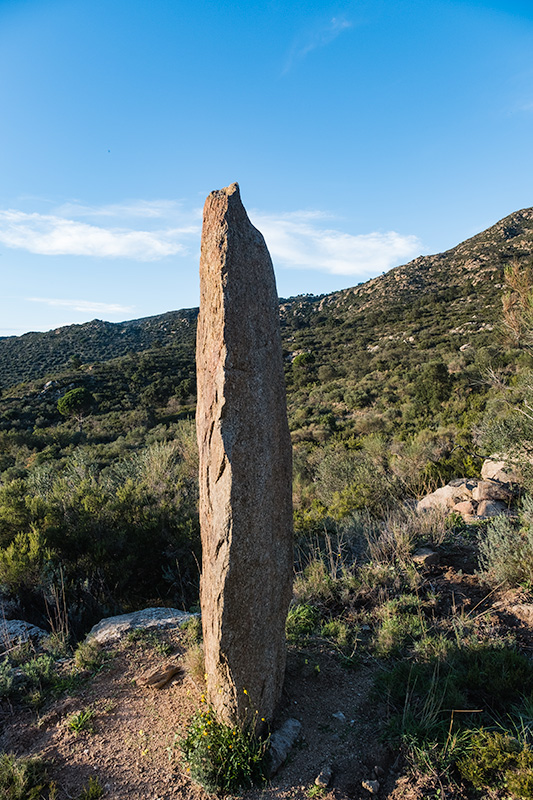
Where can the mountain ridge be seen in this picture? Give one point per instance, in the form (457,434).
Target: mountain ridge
(472,269)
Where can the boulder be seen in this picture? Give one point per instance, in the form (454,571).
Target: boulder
(426,557)
(281,742)
(17,631)
(490,508)
(465,508)
(114,628)
(499,470)
(492,490)
(445,498)
(245,465)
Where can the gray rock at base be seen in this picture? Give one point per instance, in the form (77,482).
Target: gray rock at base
(339,715)
(523,611)
(490,508)
(466,483)
(16,631)
(281,743)
(426,557)
(245,465)
(114,628)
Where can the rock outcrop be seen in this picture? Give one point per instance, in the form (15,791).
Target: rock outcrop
(471,498)
(114,628)
(245,465)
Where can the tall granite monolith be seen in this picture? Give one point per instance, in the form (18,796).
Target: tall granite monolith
(245,465)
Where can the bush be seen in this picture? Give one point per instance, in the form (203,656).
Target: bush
(88,655)
(302,620)
(21,563)
(23,778)
(223,758)
(6,678)
(506,550)
(496,759)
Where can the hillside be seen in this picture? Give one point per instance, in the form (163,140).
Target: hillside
(394,387)
(35,355)
(445,297)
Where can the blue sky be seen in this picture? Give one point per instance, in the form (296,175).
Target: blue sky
(362,133)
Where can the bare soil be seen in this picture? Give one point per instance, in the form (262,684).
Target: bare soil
(133,748)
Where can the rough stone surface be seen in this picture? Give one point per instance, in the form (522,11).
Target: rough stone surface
(113,628)
(524,612)
(490,508)
(426,557)
(16,631)
(281,743)
(491,490)
(245,465)
(371,786)
(465,507)
(159,678)
(444,498)
(499,470)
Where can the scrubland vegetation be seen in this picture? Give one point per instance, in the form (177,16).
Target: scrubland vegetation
(391,393)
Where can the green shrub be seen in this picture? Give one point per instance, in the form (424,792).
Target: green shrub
(21,563)
(23,778)
(223,758)
(314,585)
(506,550)
(39,672)
(88,655)
(302,620)
(400,622)
(345,637)
(92,791)
(496,760)
(6,678)
(82,721)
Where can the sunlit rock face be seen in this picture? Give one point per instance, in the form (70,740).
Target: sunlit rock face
(245,465)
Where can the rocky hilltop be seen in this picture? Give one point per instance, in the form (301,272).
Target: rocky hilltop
(454,293)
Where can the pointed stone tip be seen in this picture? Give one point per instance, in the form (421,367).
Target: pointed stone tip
(233,188)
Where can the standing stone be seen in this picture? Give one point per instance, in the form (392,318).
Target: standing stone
(245,465)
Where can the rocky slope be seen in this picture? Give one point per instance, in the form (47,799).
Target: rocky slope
(465,282)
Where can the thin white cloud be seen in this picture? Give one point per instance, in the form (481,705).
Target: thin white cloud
(317,38)
(84,306)
(137,209)
(50,234)
(296,241)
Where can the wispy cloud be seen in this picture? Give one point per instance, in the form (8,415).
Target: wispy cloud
(84,306)
(136,209)
(299,241)
(316,38)
(51,234)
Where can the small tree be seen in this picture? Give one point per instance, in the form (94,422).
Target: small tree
(77,403)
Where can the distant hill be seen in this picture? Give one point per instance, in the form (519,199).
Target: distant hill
(36,355)
(449,299)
